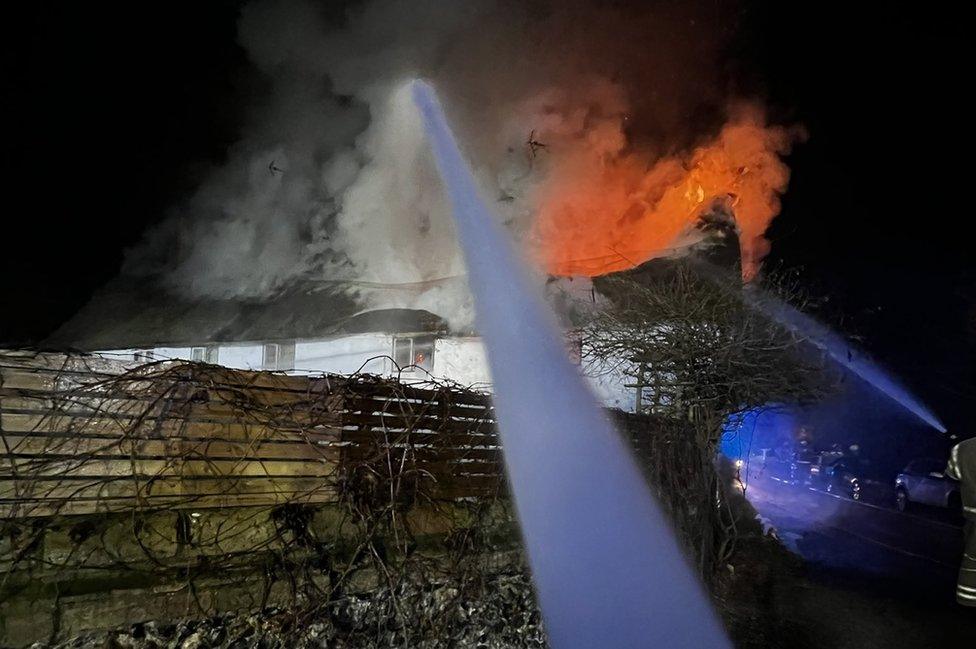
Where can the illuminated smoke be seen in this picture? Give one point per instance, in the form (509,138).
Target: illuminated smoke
(605,207)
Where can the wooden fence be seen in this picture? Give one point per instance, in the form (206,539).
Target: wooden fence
(82,435)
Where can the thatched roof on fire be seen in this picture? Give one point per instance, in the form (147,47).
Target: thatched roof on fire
(129,314)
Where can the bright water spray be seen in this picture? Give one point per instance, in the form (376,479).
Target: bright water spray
(606,565)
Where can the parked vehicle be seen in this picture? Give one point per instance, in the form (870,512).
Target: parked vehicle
(803,462)
(846,476)
(810,467)
(923,482)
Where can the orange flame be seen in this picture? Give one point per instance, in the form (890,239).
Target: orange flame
(609,210)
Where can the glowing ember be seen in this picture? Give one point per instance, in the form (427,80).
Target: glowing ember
(606,208)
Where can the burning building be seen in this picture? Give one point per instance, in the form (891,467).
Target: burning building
(329,211)
(300,332)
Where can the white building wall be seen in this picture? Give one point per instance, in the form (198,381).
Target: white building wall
(345,355)
(181,353)
(463,361)
(241,356)
(123,355)
(156,354)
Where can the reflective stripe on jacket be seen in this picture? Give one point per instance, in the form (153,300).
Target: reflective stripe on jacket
(966,585)
(962,467)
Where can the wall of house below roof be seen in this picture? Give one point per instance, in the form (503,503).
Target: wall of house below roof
(346,354)
(155,353)
(242,357)
(463,361)
(458,359)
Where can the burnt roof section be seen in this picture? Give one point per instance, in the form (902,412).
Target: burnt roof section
(129,314)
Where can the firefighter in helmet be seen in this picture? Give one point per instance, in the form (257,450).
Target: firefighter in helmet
(962,467)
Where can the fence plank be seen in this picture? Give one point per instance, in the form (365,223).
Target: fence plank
(78,436)
(45,446)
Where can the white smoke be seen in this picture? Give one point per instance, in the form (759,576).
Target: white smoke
(333,181)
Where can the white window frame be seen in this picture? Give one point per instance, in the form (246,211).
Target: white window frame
(411,364)
(397,342)
(282,350)
(428,364)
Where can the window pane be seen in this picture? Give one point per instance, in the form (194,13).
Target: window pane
(423,354)
(403,352)
(270,357)
(197,353)
(930,466)
(924,466)
(286,356)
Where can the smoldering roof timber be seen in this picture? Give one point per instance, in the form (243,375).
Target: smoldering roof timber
(332,179)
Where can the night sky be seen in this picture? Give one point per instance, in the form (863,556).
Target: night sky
(113,113)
